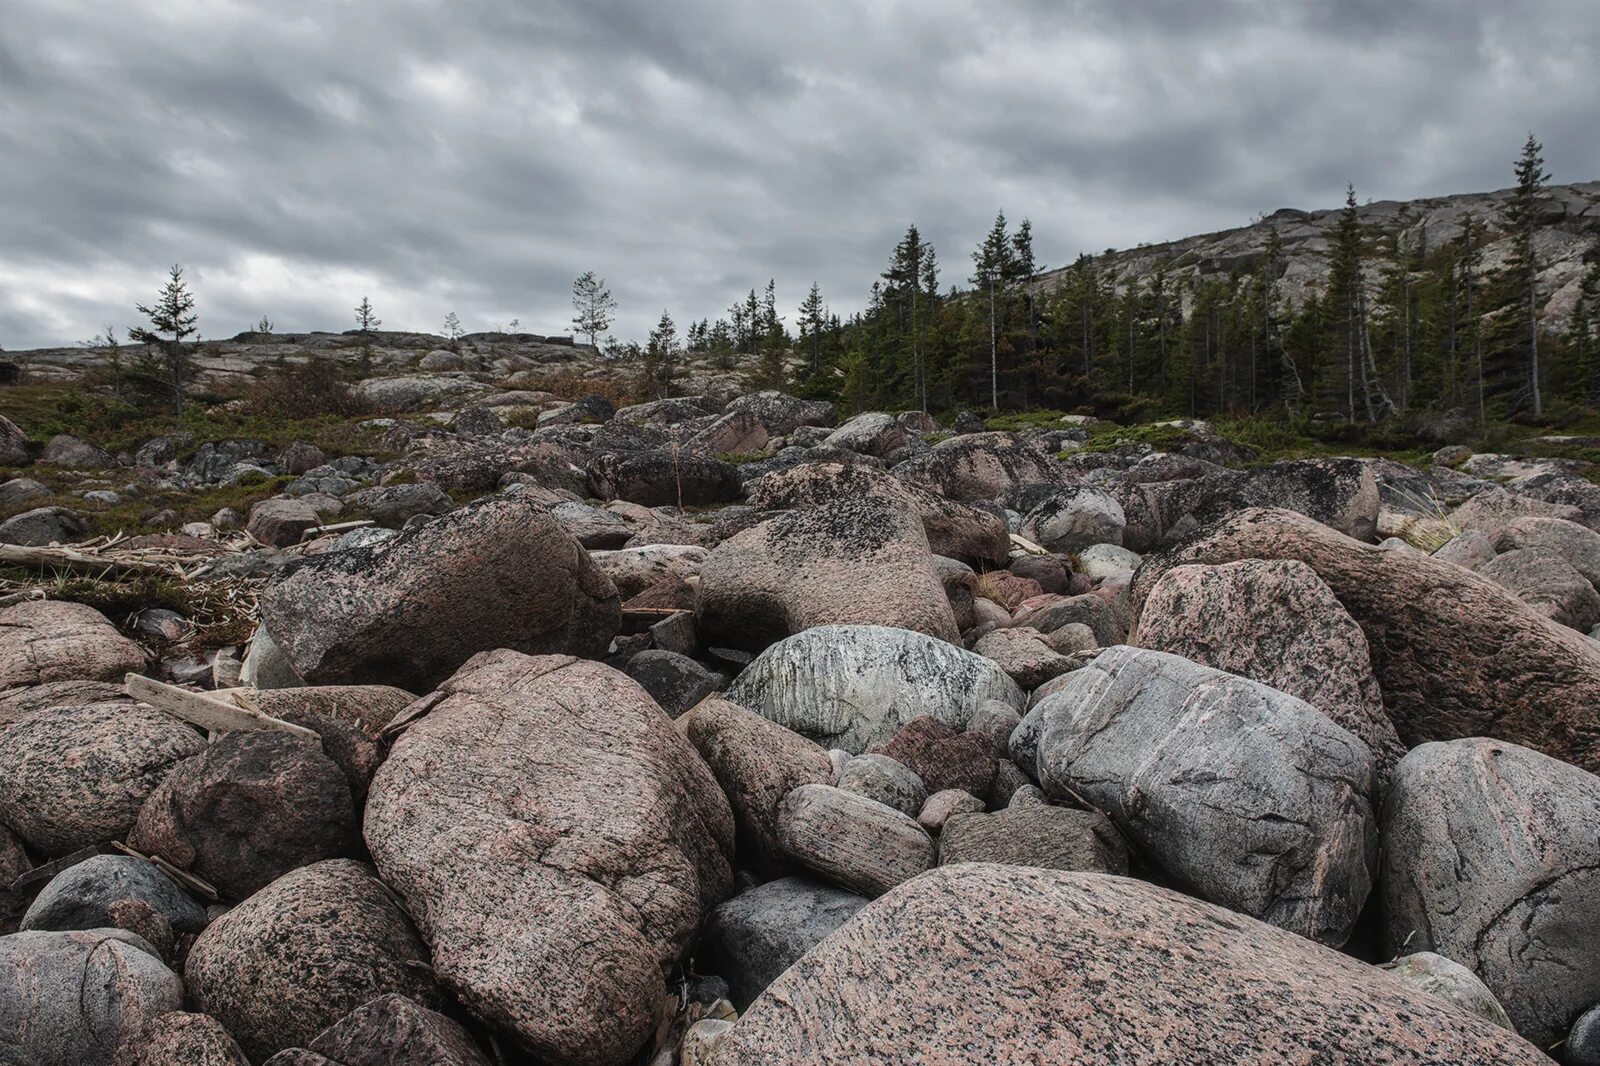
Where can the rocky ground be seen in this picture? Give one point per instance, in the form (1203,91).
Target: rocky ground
(722,729)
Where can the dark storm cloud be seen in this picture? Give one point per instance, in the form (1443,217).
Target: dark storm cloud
(475,155)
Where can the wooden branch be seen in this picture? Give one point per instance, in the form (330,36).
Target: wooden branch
(336,527)
(1027,545)
(196,885)
(207,711)
(67,559)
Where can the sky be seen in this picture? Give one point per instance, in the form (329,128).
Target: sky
(476,155)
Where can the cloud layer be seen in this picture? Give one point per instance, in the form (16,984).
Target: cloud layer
(475,155)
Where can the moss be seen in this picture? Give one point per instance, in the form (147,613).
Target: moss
(740,458)
(130,516)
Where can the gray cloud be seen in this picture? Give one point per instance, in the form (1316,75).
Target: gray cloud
(474,156)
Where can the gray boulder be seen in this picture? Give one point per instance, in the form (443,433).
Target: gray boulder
(753,938)
(871,433)
(979,466)
(392,506)
(47,641)
(393,1030)
(1246,796)
(1072,518)
(73,998)
(885,780)
(1451,982)
(73,453)
(13,444)
(1491,859)
(853,687)
(1578,545)
(675,681)
(80,896)
(43,526)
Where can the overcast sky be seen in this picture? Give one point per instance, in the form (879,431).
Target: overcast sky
(475,155)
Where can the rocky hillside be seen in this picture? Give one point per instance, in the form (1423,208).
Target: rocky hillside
(1570,229)
(723,731)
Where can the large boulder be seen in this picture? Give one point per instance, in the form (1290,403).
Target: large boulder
(1491,859)
(976,964)
(854,561)
(1493,509)
(391,506)
(13,444)
(1339,493)
(1275,622)
(497,573)
(43,526)
(75,776)
(1547,583)
(753,938)
(280,523)
(979,466)
(1073,517)
(662,478)
(852,841)
(1578,545)
(47,641)
(953,529)
(74,453)
(559,843)
(1244,795)
(395,1031)
(757,762)
(632,570)
(179,1038)
(73,998)
(1456,654)
(249,808)
(853,687)
(80,897)
(870,433)
(302,953)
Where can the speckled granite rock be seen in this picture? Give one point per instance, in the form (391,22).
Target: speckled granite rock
(1491,859)
(751,939)
(1051,838)
(1095,971)
(178,1038)
(74,776)
(1451,982)
(302,953)
(395,1031)
(851,840)
(80,896)
(559,843)
(42,641)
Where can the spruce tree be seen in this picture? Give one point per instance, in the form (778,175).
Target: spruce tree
(1522,218)
(366,322)
(167,367)
(812,323)
(992,266)
(661,357)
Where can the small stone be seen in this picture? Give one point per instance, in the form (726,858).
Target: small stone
(882,778)
(941,806)
(1053,838)
(853,841)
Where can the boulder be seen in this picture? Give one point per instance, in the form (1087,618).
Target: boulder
(73,453)
(1023,654)
(20,490)
(1107,563)
(43,526)
(1456,654)
(497,573)
(559,843)
(1057,967)
(13,444)
(1244,795)
(853,561)
(1074,517)
(178,1038)
(415,392)
(871,433)
(19,702)
(853,687)
(1578,545)
(757,763)
(662,478)
(302,953)
(1276,622)
(942,806)
(943,758)
(1491,859)
(249,808)
(48,641)
(880,778)
(673,680)
(633,570)
(393,1030)
(80,897)
(1451,982)
(1340,493)
(280,523)
(953,529)
(73,998)
(1053,838)
(1547,583)
(75,776)
(979,466)
(1494,508)
(753,938)
(852,841)
(392,506)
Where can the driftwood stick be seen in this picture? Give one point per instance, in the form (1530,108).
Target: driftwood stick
(197,885)
(1027,545)
(205,710)
(67,559)
(337,527)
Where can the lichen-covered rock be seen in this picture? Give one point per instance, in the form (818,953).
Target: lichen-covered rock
(42,526)
(1073,517)
(871,433)
(73,998)
(979,466)
(1276,622)
(248,809)
(1245,795)
(757,763)
(1491,859)
(673,680)
(633,570)
(953,529)
(391,506)
(47,641)
(178,1038)
(662,478)
(559,843)
(20,702)
(75,776)
(497,573)
(885,780)
(1491,510)
(1451,982)
(393,1030)
(80,897)
(281,523)
(853,687)
(302,953)
(854,561)
(753,938)
(13,444)
(1547,583)
(852,841)
(1455,654)
(1092,970)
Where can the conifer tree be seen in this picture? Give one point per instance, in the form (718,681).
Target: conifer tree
(661,357)
(173,320)
(992,267)
(595,308)
(1522,218)
(366,322)
(812,323)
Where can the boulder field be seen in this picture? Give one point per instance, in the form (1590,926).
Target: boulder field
(722,730)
